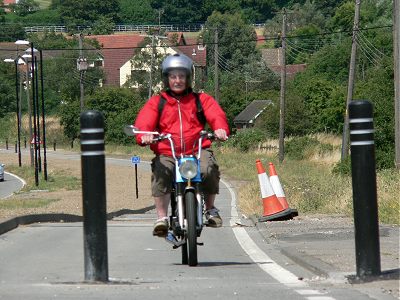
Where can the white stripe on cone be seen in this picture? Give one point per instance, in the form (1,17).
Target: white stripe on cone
(280,194)
(265,186)
(276,185)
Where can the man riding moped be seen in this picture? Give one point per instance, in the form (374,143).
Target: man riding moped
(181,113)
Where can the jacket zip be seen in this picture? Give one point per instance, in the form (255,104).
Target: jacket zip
(180,126)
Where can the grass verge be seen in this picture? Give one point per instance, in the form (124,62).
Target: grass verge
(26,203)
(310,185)
(56,180)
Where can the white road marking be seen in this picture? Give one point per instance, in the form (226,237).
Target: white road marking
(263,260)
(16,176)
(308,292)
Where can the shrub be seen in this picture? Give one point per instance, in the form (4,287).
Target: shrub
(299,147)
(246,139)
(343,167)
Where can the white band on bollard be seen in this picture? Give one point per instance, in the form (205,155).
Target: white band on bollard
(92,142)
(361,120)
(92,153)
(361,143)
(362,131)
(92,130)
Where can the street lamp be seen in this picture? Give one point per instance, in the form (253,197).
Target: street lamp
(32,51)
(21,42)
(26,58)
(15,61)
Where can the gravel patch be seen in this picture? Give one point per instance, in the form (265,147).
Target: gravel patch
(120,189)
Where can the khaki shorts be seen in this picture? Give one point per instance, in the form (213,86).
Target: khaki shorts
(162,168)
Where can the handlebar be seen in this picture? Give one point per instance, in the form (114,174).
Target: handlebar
(130,130)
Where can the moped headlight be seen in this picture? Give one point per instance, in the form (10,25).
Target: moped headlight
(188,169)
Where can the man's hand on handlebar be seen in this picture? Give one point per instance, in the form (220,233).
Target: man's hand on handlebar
(221,134)
(147,139)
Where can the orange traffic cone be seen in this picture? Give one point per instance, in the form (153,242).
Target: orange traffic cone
(278,190)
(273,209)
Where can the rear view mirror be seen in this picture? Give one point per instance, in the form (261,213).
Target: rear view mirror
(130,130)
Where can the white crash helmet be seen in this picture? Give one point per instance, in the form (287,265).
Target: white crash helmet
(177,62)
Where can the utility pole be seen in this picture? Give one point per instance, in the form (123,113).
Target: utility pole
(396,58)
(153,52)
(283,92)
(160,12)
(216,80)
(29,111)
(151,67)
(350,87)
(82,66)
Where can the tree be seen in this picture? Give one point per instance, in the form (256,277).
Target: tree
(179,11)
(301,19)
(305,15)
(137,12)
(378,88)
(69,118)
(42,17)
(295,111)
(210,6)
(141,64)
(60,72)
(2,12)
(119,107)
(236,40)
(25,7)
(103,25)
(331,62)
(257,11)
(84,13)
(7,89)
(12,32)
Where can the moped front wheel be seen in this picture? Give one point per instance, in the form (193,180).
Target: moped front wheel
(191,233)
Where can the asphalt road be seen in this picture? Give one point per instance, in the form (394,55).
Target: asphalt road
(10,185)
(46,261)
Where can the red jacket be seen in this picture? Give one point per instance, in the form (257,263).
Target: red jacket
(179,118)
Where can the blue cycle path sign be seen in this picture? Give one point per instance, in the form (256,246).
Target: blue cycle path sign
(135,160)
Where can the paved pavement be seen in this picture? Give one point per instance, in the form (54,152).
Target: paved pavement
(325,245)
(322,244)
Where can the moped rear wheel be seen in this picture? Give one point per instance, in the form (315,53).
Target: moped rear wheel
(191,233)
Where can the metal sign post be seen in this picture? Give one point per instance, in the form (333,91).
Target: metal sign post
(136,160)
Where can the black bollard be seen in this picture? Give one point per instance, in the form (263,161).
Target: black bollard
(25,142)
(54,145)
(94,196)
(365,204)
(6,144)
(16,147)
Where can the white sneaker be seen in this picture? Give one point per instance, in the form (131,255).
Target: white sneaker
(160,227)
(213,218)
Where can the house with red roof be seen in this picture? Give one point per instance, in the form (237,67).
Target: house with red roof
(272,58)
(198,53)
(118,50)
(8,3)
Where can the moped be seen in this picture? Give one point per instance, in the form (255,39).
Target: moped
(187,217)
